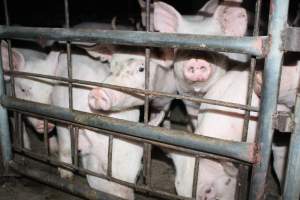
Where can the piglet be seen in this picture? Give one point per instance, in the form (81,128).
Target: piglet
(93,146)
(36,90)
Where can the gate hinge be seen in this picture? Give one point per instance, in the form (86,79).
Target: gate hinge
(291,39)
(283,121)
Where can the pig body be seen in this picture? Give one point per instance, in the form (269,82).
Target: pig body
(217,180)
(126,156)
(36,90)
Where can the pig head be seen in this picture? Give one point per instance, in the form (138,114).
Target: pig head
(31,89)
(128,69)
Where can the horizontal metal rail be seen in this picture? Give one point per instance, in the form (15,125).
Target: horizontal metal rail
(135,90)
(256,46)
(81,190)
(232,149)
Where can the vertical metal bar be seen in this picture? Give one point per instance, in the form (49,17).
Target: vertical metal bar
(69,59)
(4,127)
(19,128)
(110,148)
(46,143)
(242,183)
(147,147)
(195,180)
(75,144)
(292,181)
(277,23)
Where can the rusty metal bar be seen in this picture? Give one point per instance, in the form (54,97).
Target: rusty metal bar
(292,181)
(81,190)
(277,23)
(110,149)
(141,140)
(84,172)
(240,151)
(149,92)
(256,46)
(46,143)
(195,178)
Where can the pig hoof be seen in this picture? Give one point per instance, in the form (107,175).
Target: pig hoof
(65,174)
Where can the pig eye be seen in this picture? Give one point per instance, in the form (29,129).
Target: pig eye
(141,68)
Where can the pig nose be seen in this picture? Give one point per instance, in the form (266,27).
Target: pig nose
(40,126)
(197,72)
(99,99)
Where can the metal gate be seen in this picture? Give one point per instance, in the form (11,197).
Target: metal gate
(279,39)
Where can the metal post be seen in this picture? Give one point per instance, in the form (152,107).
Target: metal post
(277,23)
(292,180)
(4,127)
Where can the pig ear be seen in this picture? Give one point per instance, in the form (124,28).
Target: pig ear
(233,20)
(209,8)
(166,60)
(52,60)
(230,169)
(18,60)
(103,52)
(166,18)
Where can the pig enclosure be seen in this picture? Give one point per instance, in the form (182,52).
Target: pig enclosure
(157,175)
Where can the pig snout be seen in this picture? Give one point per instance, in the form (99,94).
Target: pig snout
(197,70)
(40,126)
(99,99)
(258,81)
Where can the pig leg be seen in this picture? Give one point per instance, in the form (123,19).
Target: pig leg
(184,166)
(64,150)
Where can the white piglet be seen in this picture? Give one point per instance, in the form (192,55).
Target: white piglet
(196,72)
(36,90)
(128,69)
(126,156)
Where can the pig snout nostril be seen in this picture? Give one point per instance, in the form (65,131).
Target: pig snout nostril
(98,99)
(208,191)
(203,68)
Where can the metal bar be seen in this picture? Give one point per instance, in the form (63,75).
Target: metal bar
(76,132)
(4,126)
(292,181)
(141,91)
(46,143)
(84,172)
(147,147)
(277,23)
(195,178)
(110,149)
(81,190)
(242,180)
(240,151)
(256,46)
(141,140)
(291,38)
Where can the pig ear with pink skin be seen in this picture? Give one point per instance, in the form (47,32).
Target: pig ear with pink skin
(18,60)
(233,20)
(103,52)
(166,19)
